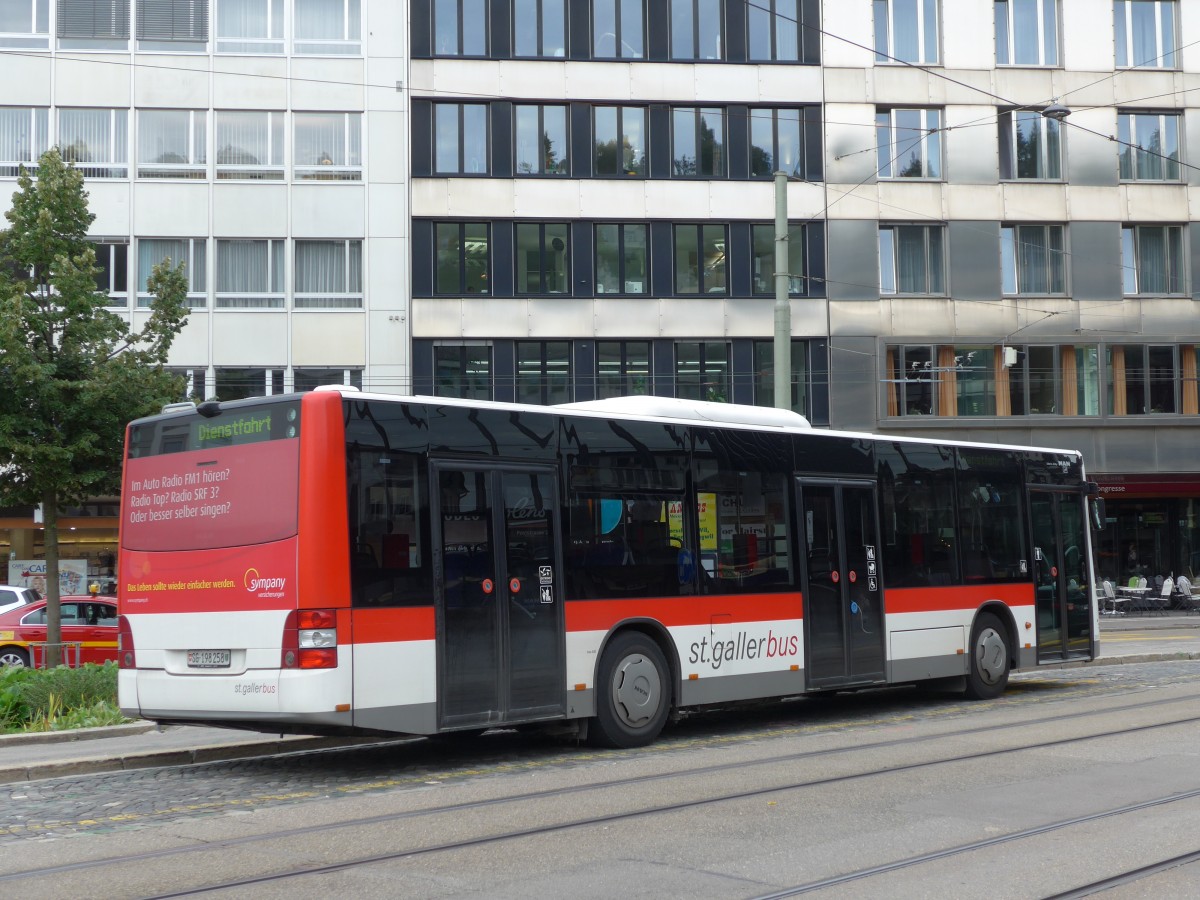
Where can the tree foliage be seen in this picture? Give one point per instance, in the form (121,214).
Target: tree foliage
(72,372)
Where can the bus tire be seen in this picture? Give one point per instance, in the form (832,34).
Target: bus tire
(988,663)
(14,656)
(633,693)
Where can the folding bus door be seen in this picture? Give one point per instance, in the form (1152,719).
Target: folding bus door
(499,603)
(1064,596)
(843,593)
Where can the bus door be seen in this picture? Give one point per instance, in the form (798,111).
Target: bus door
(499,578)
(1060,574)
(843,586)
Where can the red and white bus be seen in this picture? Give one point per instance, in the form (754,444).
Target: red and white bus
(344,562)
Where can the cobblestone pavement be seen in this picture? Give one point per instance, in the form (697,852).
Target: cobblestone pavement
(130,800)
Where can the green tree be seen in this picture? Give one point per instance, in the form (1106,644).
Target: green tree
(72,373)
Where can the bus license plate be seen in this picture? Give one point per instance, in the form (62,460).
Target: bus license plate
(208,659)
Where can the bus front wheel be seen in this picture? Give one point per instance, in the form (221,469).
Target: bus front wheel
(987,673)
(633,692)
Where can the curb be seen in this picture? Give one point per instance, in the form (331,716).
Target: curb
(177,757)
(75,734)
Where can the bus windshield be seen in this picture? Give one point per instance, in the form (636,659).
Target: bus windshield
(198,483)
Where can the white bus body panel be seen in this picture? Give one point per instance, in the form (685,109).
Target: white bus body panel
(254,686)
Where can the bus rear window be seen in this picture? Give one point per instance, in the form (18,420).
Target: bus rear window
(193,482)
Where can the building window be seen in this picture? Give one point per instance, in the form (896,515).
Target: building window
(460,138)
(910,143)
(249,145)
(700,263)
(238,384)
(906,31)
(331,27)
(328,275)
(544,372)
(93,24)
(96,141)
(1030,146)
(618,29)
(912,387)
(460,27)
(974,379)
(622,369)
(250,274)
(702,371)
(250,26)
(463,370)
(697,142)
(1033,259)
(24,137)
(1152,259)
(1144,33)
(1149,146)
(911,260)
(622,259)
(172,25)
(773,30)
(1142,379)
(328,146)
(764,375)
(1032,382)
(25,24)
(193,383)
(696,31)
(192,252)
(540,28)
(1027,32)
(763,238)
(112,279)
(307,379)
(619,141)
(541,140)
(776,143)
(171,143)
(461,258)
(542,258)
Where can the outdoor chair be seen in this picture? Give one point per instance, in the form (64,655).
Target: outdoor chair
(1184,598)
(1163,599)
(1108,601)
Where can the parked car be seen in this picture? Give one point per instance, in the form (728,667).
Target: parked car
(12,597)
(88,623)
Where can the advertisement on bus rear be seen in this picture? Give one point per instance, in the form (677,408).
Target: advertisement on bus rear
(210,529)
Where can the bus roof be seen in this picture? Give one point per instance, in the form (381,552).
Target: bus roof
(662,409)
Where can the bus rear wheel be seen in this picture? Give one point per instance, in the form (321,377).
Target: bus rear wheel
(633,692)
(987,672)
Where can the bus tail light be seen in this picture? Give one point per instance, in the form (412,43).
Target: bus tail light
(310,639)
(126,654)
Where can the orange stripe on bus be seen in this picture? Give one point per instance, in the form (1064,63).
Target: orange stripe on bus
(600,615)
(378,626)
(958,596)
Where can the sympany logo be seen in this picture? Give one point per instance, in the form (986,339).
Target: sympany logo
(255,582)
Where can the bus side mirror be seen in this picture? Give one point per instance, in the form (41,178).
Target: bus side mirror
(1096,507)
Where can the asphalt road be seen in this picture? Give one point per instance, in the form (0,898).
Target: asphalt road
(1076,775)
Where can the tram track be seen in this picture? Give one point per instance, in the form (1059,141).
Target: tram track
(634,781)
(653,810)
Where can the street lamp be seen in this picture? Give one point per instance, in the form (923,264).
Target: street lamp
(1056,111)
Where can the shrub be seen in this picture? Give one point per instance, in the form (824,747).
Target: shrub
(46,699)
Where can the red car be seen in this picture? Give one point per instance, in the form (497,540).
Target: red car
(89,629)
